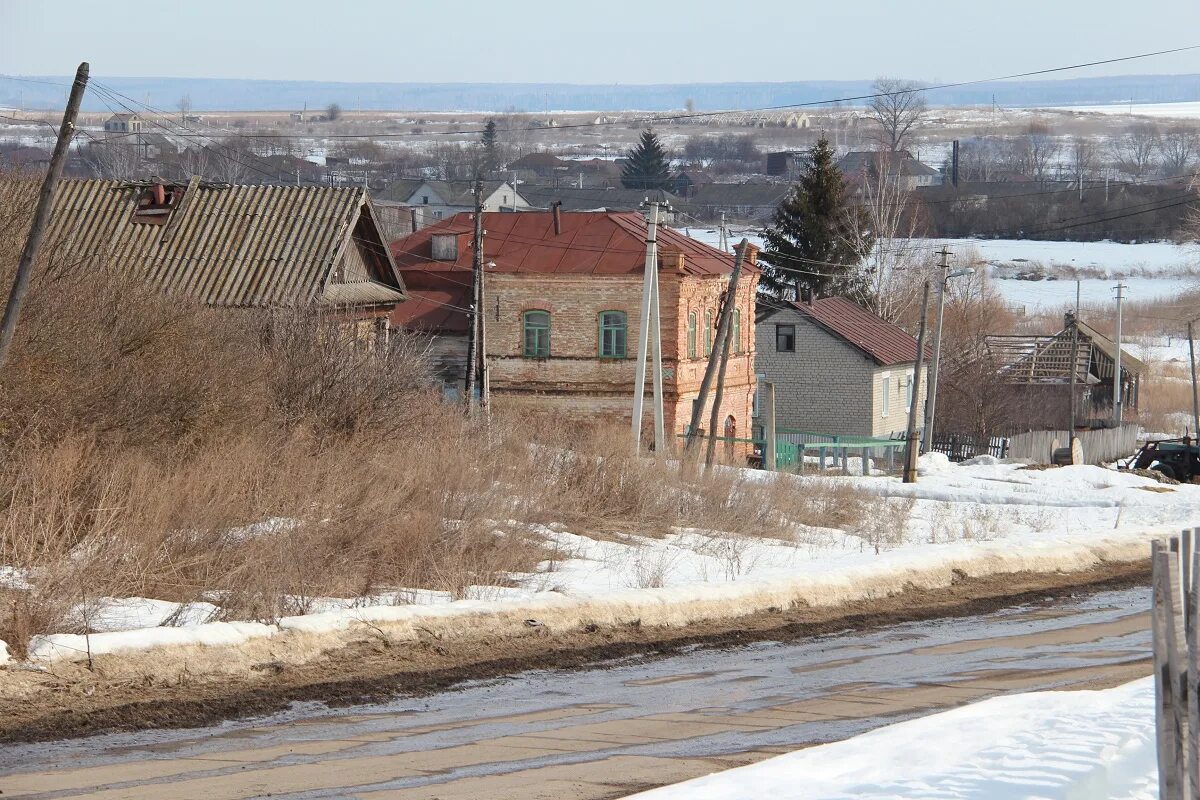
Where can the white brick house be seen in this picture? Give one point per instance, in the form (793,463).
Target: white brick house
(837,368)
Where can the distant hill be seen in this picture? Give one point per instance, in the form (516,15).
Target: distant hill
(212,94)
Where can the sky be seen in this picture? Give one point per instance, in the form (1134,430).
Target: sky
(571,41)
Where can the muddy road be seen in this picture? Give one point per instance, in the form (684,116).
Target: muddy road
(608,731)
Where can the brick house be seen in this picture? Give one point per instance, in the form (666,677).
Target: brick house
(562,296)
(837,367)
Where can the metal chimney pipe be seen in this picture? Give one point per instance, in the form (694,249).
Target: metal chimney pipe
(555,209)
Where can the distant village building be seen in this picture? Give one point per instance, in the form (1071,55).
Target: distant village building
(538,167)
(908,172)
(438,200)
(273,246)
(1034,373)
(599,199)
(741,202)
(562,296)
(838,368)
(123,123)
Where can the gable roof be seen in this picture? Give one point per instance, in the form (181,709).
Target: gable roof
(1108,347)
(573,199)
(536,160)
(231,245)
(899,163)
(458,193)
(591,242)
(883,342)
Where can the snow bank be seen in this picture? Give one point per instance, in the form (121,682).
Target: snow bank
(76,647)
(1096,745)
(3,653)
(985,519)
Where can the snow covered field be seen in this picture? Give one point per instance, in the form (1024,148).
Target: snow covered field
(1046,745)
(1150,269)
(978,519)
(1187,110)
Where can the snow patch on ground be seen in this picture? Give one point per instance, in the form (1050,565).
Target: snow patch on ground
(989,517)
(1048,745)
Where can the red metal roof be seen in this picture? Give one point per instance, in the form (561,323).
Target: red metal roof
(591,242)
(885,343)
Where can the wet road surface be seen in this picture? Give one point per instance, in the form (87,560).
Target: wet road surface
(607,732)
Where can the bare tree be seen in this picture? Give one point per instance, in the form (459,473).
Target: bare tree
(897,261)
(1180,146)
(185,107)
(332,112)
(1081,155)
(896,107)
(1134,150)
(116,158)
(1033,154)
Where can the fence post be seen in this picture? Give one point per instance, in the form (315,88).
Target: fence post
(1170,672)
(769,450)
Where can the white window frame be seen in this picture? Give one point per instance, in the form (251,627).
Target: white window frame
(886,401)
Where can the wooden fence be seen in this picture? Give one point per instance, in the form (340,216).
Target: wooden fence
(1174,623)
(1099,446)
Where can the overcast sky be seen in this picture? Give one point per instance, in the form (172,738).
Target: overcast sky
(617,41)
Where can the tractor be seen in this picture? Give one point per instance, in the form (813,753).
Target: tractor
(1175,458)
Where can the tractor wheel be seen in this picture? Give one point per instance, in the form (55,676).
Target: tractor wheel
(1166,469)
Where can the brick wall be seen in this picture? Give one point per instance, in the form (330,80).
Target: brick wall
(824,386)
(896,419)
(576,381)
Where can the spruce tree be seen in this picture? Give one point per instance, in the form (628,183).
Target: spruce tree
(646,165)
(817,222)
(489,148)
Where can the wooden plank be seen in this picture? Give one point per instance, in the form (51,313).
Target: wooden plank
(1192,748)
(1166,717)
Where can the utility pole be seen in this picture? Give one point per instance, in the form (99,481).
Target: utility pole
(723,234)
(1117,399)
(476,306)
(649,324)
(724,340)
(722,330)
(41,214)
(1074,366)
(931,397)
(910,451)
(1195,392)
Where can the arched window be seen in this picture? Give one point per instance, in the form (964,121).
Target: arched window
(708,333)
(691,343)
(537,334)
(736,322)
(614,329)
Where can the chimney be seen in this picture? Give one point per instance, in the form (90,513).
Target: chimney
(811,296)
(556,210)
(751,255)
(412,219)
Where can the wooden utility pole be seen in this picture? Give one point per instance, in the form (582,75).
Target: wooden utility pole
(1195,391)
(722,329)
(41,214)
(913,444)
(1074,370)
(1118,400)
(473,333)
(724,341)
(931,392)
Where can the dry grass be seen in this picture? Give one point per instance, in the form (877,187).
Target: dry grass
(151,447)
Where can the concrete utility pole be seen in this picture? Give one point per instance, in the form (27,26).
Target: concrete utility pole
(768,413)
(723,236)
(649,325)
(913,445)
(1117,399)
(722,330)
(931,395)
(41,214)
(1195,392)
(476,305)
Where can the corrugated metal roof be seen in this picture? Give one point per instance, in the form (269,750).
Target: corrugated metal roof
(591,242)
(226,245)
(885,343)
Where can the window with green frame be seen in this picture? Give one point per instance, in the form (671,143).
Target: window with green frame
(536,325)
(614,329)
(708,333)
(736,322)
(692,335)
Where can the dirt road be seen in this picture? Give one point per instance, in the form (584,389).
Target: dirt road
(606,732)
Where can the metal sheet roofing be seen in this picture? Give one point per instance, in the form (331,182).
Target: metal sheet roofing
(229,245)
(885,343)
(591,242)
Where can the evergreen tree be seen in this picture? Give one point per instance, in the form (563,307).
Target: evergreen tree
(489,148)
(646,165)
(817,222)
